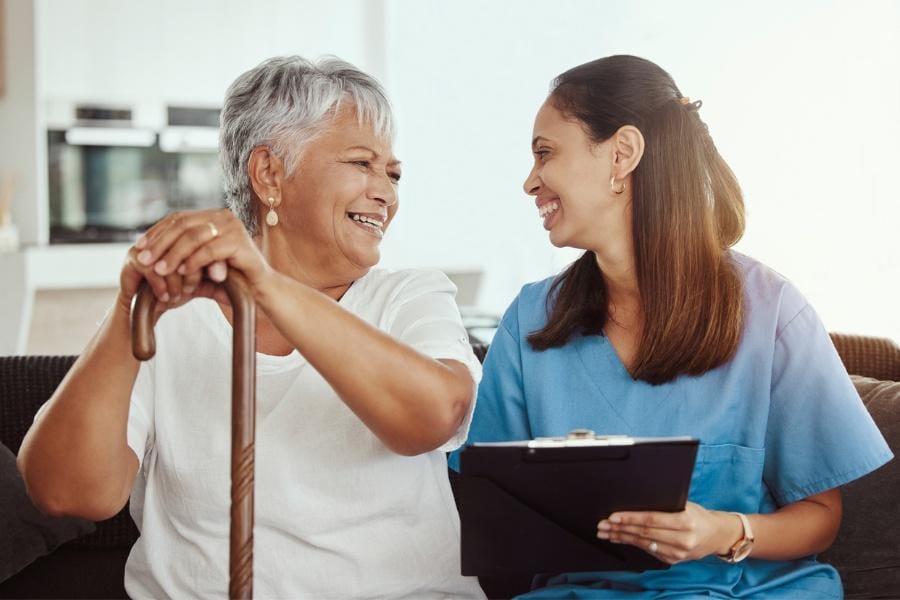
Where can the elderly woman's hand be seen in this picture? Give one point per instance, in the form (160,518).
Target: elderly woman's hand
(187,244)
(167,289)
(691,534)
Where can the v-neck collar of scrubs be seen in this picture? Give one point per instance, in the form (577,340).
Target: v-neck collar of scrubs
(601,363)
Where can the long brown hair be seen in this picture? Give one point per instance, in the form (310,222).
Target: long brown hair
(687,210)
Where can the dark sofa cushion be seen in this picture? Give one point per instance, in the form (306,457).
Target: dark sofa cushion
(867,552)
(71,572)
(26,532)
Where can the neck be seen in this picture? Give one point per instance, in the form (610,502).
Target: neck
(290,262)
(617,265)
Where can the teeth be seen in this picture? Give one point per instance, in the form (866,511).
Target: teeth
(367,220)
(548,208)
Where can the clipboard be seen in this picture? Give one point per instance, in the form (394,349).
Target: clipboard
(533,506)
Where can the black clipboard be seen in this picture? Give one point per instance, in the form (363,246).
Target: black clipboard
(533,506)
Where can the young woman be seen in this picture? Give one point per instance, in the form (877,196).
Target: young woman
(660,329)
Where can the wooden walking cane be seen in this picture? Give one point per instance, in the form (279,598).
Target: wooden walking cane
(243,416)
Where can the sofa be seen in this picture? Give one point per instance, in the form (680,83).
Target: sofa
(85,560)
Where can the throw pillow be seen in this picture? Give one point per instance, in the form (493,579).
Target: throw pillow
(27,533)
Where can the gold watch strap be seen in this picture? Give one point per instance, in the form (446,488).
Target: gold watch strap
(748,531)
(747,537)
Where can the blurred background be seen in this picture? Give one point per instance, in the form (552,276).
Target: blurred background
(109,108)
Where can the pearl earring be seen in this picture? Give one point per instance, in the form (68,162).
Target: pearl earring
(271,216)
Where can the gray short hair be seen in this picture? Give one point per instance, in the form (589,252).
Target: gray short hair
(284,103)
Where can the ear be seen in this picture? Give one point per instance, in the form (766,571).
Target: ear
(628,149)
(266,174)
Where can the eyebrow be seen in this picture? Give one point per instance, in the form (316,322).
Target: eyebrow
(538,138)
(393,163)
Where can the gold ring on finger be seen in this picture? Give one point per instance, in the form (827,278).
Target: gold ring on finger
(212,229)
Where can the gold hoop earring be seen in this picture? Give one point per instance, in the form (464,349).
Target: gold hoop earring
(271,216)
(612,186)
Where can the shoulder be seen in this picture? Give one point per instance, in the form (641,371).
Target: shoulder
(381,294)
(401,284)
(528,310)
(771,299)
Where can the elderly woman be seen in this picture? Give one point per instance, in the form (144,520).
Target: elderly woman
(365,377)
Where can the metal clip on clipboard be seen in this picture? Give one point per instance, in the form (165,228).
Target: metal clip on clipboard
(581,438)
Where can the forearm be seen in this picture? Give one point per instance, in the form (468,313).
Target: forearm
(412,402)
(800,529)
(75,458)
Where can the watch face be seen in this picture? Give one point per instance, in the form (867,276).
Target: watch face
(742,550)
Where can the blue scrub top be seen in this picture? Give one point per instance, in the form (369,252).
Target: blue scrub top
(779,422)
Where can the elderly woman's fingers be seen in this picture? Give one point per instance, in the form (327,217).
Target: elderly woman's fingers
(197,240)
(157,284)
(218,271)
(237,251)
(189,241)
(152,233)
(209,289)
(216,250)
(191,281)
(174,287)
(160,238)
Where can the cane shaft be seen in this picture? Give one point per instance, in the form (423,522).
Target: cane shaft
(243,430)
(243,416)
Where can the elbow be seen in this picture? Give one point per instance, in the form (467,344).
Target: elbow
(836,510)
(833,512)
(55,503)
(829,537)
(42,489)
(441,426)
(49,505)
(44,497)
(55,500)
(457,411)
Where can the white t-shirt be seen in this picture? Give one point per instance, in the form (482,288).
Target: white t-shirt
(338,515)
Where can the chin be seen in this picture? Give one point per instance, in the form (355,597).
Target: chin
(557,240)
(367,260)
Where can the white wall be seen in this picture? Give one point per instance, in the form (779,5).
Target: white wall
(802,98)
(188,51)
(22,147)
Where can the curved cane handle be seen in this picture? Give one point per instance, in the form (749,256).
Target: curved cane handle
(243,415)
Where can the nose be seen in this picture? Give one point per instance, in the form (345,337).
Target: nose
(383,191)
(532,185)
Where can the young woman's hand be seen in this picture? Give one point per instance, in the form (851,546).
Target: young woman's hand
(690,534)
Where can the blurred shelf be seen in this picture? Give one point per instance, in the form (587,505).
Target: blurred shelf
(74,266)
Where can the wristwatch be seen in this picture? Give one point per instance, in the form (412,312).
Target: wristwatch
(743,546)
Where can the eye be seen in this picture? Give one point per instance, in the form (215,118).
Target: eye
(395,177)
(541,153)
(361,163)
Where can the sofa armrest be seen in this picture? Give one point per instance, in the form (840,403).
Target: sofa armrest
(878,358)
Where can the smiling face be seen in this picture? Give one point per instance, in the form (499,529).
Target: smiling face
(570,181)
(338,203)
